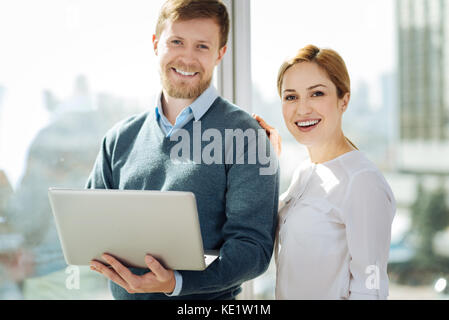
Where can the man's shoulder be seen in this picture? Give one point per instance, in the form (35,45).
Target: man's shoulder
(128,126)
(231,116)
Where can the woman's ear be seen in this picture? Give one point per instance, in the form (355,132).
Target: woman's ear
(344,102)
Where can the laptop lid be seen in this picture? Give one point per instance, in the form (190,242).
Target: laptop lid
(128,224)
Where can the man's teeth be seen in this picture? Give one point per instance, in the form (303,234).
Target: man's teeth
(307,123)
(184,73)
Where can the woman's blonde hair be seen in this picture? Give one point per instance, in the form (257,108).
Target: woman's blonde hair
(328,60)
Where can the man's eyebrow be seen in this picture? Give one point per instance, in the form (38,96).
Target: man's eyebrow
(315,86)
(175,37)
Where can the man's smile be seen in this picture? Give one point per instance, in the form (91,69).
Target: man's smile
(184,73)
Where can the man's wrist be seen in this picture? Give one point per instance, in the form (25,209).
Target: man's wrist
(178,284)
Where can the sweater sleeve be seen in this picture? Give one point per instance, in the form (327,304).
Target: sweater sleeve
(251,215)
(368,214)
(101,174)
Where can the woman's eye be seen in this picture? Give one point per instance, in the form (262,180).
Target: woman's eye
(289,98)
(318,94)
(177,42)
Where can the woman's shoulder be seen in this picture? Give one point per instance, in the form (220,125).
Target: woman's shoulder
(364,176)
(356,162)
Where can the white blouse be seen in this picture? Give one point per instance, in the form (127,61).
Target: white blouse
(334,231)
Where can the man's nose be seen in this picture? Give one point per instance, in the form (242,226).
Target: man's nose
(188,55)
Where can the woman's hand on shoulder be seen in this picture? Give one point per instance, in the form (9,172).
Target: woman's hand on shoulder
(272,133)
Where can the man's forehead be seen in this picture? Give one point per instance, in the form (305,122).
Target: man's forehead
(188,28)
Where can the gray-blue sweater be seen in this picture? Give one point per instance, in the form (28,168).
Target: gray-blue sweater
(237,205)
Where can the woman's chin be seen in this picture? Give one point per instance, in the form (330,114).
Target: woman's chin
(304,140)
(306,143)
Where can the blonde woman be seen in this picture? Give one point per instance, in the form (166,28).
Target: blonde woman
(335,218)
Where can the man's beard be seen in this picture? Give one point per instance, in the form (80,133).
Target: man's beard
(183,89)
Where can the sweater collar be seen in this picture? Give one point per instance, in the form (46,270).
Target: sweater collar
(199,107)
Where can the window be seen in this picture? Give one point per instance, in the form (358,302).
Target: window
(393,77)
(69,71)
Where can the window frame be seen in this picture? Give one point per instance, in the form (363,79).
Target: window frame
(234,75)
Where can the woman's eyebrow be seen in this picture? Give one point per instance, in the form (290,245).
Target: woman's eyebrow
(289,90)
(315,86)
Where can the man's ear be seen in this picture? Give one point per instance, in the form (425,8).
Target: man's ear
(221,54)
(155,43)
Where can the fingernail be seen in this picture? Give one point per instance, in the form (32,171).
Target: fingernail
(150,258)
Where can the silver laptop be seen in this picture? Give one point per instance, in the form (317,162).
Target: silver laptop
(129,224)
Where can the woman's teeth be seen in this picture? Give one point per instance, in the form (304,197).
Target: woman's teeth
(307,123)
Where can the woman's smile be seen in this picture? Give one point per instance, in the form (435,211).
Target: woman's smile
(307,125)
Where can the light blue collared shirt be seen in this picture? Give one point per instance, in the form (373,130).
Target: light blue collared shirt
(194,111)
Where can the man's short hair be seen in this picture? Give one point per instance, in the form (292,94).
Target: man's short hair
(174,10)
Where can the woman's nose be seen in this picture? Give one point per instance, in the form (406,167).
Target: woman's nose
(303,108)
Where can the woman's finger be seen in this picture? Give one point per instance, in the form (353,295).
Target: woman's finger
(262,123)
(272,134)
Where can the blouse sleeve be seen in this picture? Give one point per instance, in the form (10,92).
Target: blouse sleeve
(368,211)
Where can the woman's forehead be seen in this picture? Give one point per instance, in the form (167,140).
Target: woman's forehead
(305,74)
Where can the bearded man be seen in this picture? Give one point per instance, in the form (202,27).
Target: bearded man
(237,206)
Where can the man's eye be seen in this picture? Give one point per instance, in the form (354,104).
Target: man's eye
(203,46)
(318,94)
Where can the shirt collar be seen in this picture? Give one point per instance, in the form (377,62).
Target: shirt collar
(199,107)
(204,102)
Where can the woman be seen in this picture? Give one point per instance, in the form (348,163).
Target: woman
(335,218)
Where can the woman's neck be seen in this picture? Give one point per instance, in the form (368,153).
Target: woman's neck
(330,150)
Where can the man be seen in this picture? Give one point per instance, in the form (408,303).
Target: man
(237,205)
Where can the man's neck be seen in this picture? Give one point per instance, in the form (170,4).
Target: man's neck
(172,107)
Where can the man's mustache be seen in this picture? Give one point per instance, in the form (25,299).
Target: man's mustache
(184,67)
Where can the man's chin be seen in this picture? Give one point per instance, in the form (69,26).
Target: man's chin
(182,94)
(185,92)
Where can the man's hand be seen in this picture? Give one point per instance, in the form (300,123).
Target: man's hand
(158,280)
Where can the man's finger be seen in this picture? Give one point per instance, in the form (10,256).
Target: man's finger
(121,270)
(154,265)
(109,273)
